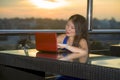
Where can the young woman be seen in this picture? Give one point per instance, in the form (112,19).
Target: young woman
(75,41)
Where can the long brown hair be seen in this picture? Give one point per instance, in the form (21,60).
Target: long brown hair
(81,28)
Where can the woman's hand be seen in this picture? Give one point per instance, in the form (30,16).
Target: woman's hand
(61,57)
(61,45)
(65,59)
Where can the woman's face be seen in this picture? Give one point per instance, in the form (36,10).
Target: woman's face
(70,28)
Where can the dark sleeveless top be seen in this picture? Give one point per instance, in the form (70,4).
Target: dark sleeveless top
(66,51)
(65,40)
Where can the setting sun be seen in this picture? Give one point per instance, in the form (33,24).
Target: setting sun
(48,4)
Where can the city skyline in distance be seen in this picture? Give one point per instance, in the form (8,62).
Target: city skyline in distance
(25,8)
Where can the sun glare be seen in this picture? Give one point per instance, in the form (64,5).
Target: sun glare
(48,4)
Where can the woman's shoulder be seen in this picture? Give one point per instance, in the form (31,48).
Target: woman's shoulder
(60,38)
(83,43)
(62,35)
(82,40)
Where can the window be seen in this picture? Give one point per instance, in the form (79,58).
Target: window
(106,14)
(106,19)
(35,14)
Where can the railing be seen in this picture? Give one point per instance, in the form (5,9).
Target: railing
(94,31)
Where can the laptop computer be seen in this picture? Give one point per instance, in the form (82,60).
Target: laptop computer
(46,44)
(46,41)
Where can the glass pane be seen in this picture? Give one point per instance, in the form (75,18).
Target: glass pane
(106,14)
(105,47)
(39,14)
(15,42)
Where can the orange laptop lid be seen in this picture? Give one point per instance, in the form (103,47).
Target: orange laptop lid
(46,41)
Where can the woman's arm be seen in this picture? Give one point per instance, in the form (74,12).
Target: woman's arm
(82,50)
(77,52)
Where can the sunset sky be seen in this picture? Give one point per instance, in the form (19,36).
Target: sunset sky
(58,9)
